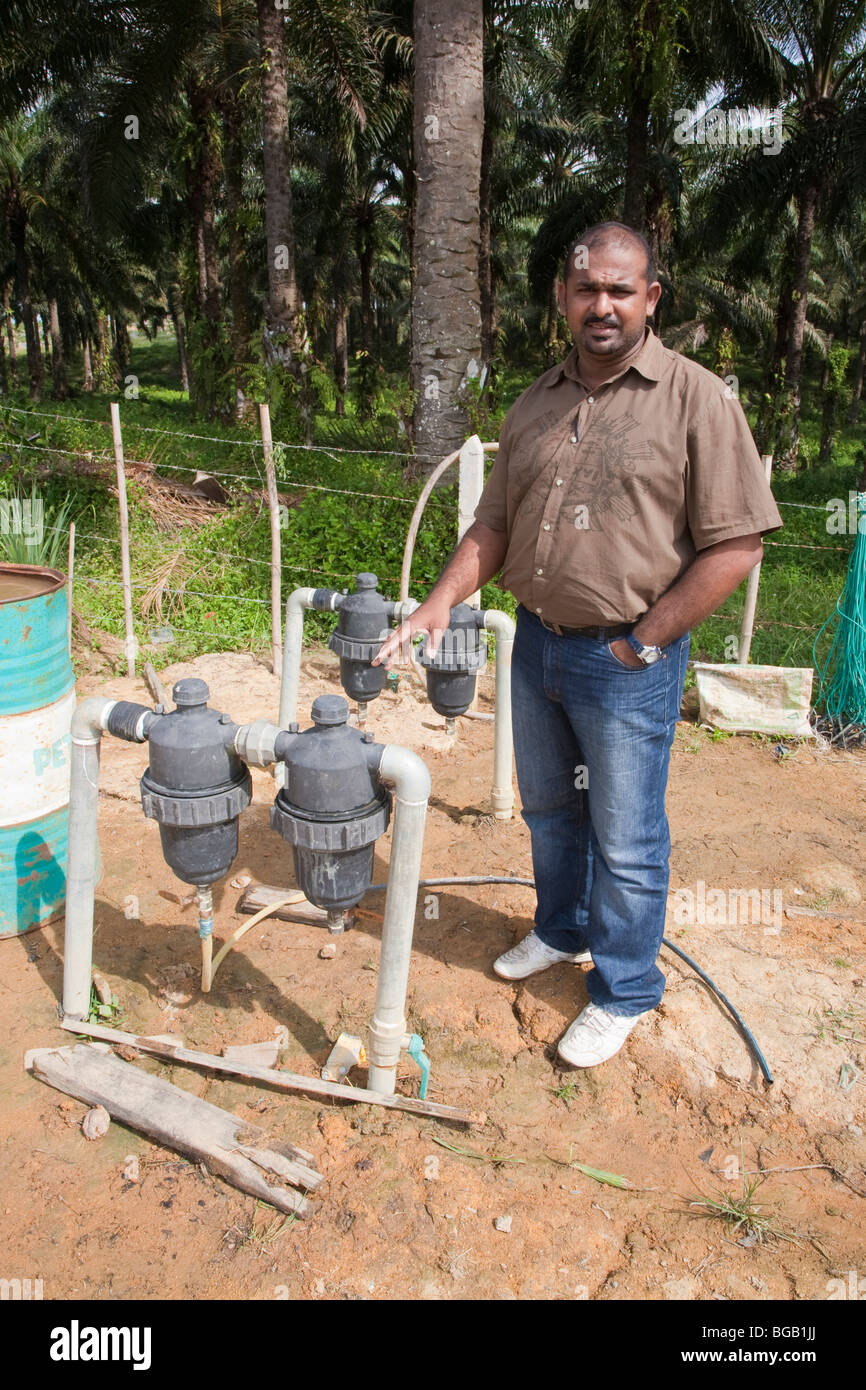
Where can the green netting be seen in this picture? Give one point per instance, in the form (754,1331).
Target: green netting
(842,675)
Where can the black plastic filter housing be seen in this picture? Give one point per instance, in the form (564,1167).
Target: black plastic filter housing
(195,786)
(451,672)
(332,808)
(361,629)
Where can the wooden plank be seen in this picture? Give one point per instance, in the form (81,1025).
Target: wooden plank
(173,1118)
(155,685)
(282,1080)
(261,1054)
(259,895)
(126,579)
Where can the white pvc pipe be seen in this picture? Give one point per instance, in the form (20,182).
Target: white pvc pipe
(502,795)
(387,1029)
(88,722)
(296,605)
(298,601)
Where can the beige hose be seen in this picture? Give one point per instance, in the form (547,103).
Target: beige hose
(206,963)
(209,968)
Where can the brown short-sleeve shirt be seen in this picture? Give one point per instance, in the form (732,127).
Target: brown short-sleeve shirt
(663,466)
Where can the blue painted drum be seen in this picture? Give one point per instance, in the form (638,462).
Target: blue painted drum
(37,699)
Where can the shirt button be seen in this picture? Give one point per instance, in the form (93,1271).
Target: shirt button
(546,526)
(538,610)
(539,571)
(559,482)
(590,400)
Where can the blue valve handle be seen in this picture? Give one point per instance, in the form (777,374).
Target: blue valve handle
(418,1055)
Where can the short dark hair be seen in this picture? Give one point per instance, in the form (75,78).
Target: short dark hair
(611,234)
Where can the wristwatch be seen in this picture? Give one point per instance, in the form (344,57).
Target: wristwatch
(648,655)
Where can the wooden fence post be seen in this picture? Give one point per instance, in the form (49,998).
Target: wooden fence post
(124,539)
(751,604)
(276,560)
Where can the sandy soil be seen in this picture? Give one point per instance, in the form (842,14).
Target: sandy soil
(676,1113)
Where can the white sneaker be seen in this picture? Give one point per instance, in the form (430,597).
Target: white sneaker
(595,1036)
(531,955)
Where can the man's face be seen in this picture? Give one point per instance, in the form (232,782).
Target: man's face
(606,300)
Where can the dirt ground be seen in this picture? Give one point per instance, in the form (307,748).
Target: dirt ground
(401,1215)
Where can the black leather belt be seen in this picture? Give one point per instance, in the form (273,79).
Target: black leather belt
(600,634)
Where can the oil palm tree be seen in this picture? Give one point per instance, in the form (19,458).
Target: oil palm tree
(448,126)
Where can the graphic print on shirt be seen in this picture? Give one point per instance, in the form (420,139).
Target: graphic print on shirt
(602,476)
(608,474)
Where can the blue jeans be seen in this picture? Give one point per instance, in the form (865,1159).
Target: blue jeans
(592,742)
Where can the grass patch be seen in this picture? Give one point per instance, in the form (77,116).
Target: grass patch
(742,1215)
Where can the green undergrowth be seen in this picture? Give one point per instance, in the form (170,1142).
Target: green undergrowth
(206,587)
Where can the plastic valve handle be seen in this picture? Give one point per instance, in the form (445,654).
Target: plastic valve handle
(419,1056)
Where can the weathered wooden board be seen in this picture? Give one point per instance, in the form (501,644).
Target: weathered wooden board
(260,895)
(282,1080)
(175,1119)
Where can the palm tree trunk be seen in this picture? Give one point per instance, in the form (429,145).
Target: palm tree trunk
(366,377)
(857,392)
(238,276)
(87,366)
(790,425)
(103,375)
(18,234)
(175,305)
(281,307)
(58,362)
(485,270)
(341,352)
(446,318)
(122,345)
(203,196)
(551,333)
(637,139)
(10,334)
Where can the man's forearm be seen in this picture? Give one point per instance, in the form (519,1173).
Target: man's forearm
(711,577)
(475,561)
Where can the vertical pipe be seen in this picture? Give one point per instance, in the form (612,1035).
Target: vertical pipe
(502,796)
(752,582)
(276,559)
(470,487)
(204,893)
(88,721)
(296,603)
(387,1028)
(124,539)
(70,566)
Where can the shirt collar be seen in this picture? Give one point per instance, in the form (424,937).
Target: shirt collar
(648,362)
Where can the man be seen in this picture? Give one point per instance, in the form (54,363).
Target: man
(626,502)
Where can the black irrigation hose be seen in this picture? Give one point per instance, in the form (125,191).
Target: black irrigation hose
(530,883)
(738,1019)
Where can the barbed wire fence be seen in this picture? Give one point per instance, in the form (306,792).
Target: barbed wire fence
(149,626)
